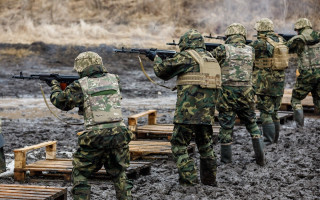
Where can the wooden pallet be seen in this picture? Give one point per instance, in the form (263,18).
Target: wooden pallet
(32,192)
(154,130)
(153,149)
(307,103)
(53,166)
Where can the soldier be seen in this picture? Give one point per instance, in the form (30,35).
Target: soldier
(2,157)
(271,59)
(237,95)
(195,106)
(307,45)
(106,138)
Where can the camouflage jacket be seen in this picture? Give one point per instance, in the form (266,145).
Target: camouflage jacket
(73,96)
(298,45)
(265,80)
(195,105)
(220,53)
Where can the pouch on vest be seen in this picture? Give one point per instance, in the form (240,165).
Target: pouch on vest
(101,100)
(280,59)
(209,75)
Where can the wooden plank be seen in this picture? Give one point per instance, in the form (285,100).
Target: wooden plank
(37,146)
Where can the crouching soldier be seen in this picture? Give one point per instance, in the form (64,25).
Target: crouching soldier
(105,138)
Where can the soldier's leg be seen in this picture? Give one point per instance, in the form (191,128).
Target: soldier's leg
(299,92)
(180,140)
(276,118)
(86,160)
(208,161)
(266,108)
(248,117)
(226,121)
(2,160)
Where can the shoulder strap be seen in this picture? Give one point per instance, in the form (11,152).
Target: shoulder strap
(195,55)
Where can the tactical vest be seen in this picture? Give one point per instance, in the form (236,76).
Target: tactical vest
(101,100)
(209,75)
(237,67)
(310,57)
(280,57)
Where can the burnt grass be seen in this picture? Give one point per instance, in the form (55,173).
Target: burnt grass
(292,169)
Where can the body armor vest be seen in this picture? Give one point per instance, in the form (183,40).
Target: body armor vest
(280,57)
(101,100)
(310,57)
(209,75)
(237,67)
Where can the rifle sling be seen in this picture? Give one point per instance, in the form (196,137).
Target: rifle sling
(152,81)
(54,114)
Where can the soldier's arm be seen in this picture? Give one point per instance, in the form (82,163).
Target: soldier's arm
(295,45)
(220,54)
(67,99)
(169,68)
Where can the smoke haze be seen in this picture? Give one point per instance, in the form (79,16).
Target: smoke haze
(141,23)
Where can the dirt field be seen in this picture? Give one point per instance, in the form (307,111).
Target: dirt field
(293,165)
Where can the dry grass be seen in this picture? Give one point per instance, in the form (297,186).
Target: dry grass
(19,53)
(140,22)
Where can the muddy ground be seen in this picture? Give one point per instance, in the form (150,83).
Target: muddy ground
(293,165)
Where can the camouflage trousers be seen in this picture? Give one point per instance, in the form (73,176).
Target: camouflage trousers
(181,137)
(236,101)
(108,147)
(269,107)
(2,161)
(307,81)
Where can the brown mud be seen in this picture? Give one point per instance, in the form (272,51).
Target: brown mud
(293,165)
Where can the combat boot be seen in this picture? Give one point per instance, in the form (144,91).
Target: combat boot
(258,150)
(268,130)
(298,117)
(208,171)
(277,131)
(226,152)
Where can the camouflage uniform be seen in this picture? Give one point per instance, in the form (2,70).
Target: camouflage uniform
(267,82)
(306,44)
(194,112)
(2,157)
(237,95)
(106,138)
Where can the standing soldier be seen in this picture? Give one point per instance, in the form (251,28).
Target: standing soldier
(237,95)
(198,77)
(307,45)
(271,59)
(106,138)
(2,157)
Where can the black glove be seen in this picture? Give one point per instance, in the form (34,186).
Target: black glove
(151,55)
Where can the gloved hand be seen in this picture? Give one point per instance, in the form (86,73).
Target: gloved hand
(151,55)
(53,82)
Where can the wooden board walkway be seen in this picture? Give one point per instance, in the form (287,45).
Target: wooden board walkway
(33,192)
(307,103)
(53,166)
(153,149)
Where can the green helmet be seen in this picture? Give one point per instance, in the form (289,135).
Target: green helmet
(264,24)
(190,40)
(302,23)
(87,59)
(236,29)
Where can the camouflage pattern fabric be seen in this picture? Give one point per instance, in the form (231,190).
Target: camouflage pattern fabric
(86,59)
(101,100)
(264,24)
(268,107)
(302,23)
(236,101)
(309,78)
(106,144)
(195,106)
(181,137)
(236,29)
(108,148)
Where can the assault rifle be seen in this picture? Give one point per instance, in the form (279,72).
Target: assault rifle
(285,36)
(163,54)
(209,46)
(219,37)
(64,80)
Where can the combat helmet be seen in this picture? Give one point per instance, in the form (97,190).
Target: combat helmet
(190,40)
(302,23)
(87,59)
(236,29)
(264,24)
